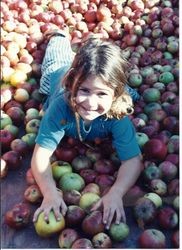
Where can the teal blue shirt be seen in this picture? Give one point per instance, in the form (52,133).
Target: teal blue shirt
(59,120)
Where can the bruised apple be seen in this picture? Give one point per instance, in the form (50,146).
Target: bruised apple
(92,223)
(33,194)
(19,216)
(82,243)
(152,238)
(144,211)
(67,237)
(101,240)
(74,215)
(71,197)
(46,229)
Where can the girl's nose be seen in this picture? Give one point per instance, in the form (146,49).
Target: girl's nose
(92,101)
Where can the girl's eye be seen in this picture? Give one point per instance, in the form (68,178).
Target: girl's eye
(84,90)
(102,94)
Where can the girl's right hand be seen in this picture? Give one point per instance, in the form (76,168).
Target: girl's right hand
(54,203)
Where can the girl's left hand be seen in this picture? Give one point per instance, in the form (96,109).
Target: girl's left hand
(112,205)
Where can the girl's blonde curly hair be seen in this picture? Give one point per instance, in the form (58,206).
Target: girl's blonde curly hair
(103,59)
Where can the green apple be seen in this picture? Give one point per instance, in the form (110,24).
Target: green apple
(87,200)
(70,181)
(59,168)
(119,232)
(29,138)
(5,120)
(151,95)
(46,229)
(32,113)
(13,129)
(176,202)
(142,138)
(32,126)
(155,198)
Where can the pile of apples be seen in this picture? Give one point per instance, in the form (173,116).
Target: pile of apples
(148,33)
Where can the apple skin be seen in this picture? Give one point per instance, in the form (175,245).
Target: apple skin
(91,188)
(31,113)
(46,229)
(74,216)
(133,195)
(32,126)
(12,159)
(88,175)
(66,153)
(144,211)
(67,237)
(155,149)
(59,168)
(82,243)
(152,238)
(33,194)
(155,198)
(104,166)
(71,197)
(81,162)
(152,172)
(5,120)
(29,138)
(176,203)
(19,216)
(17,115)
(87,200)
(19,146)
(6,139)
(167,218)
(92,223)
(142,138)
(173,187)
(158,186)
(104,181)
(168,169)
(70,181)
(93,154)
(102,241)
(119,232)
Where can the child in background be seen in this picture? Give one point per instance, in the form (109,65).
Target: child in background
(87,98)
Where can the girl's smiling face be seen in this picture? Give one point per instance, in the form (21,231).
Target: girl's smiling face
(94,98)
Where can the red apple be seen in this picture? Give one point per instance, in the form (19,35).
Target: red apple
(74,215)
(6,138)
(167,218)
(92,223)
(158,186)
(104,180)
(33,194)
(67,237)
(173,187)
(169,170)
(17,115)
(19,146)
(66,153)
(152,238)
(155,149)
(91,188)
(19,216)
(71,197)
(88,175)
(144,211)
(13,159)
(82,243)
(104,166)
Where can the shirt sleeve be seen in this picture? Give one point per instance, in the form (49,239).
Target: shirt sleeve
(52,127)
(124,139)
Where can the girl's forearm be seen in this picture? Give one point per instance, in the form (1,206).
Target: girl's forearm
(41,169)
(127,175)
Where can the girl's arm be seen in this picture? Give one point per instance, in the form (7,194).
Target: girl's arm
(112,202)
(52,199)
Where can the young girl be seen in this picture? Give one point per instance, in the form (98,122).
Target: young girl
(92,102)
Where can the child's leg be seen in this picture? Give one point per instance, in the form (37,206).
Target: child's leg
(58,54)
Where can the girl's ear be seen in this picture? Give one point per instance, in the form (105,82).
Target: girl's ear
(121,106)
